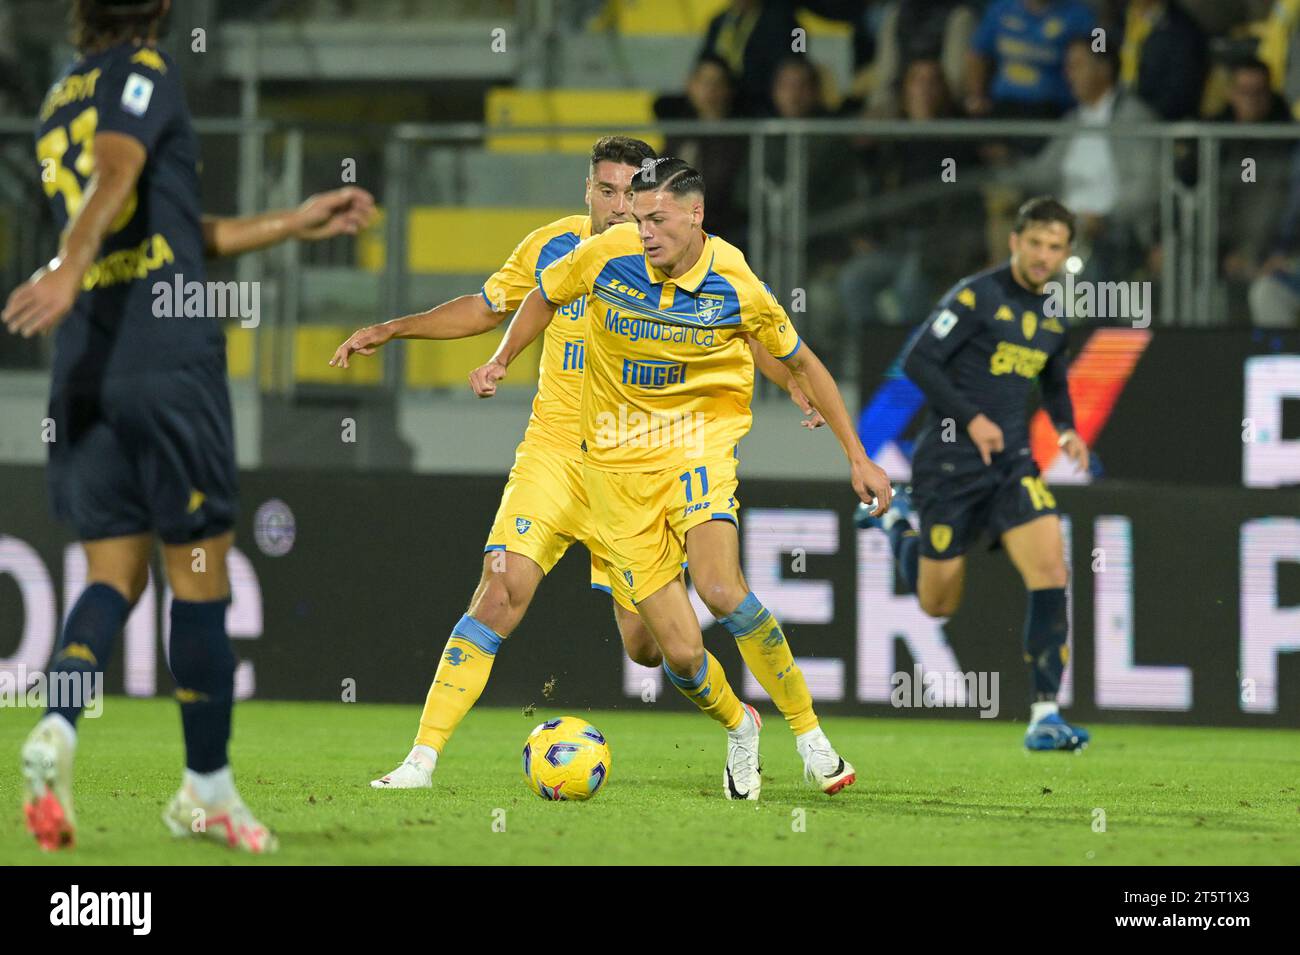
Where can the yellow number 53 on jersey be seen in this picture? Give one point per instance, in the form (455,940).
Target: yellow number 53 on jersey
(58,178)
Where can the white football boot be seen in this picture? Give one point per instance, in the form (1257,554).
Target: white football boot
(822,766)
(228,822)
(741,778)
(416,772)
(47,782)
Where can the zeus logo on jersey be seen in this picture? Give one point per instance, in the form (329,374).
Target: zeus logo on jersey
(574,353)
(653,374)
(623,289)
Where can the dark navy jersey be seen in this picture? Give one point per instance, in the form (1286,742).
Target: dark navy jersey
(981,351)
(113,330)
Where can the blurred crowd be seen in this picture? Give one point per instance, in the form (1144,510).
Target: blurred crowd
(1094,62)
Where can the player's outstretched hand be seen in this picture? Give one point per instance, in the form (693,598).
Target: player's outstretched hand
(987,437)
(40,303)
(344,211)
(484,378)
(364,341)
(1074,447)
(812,418)
(871,484)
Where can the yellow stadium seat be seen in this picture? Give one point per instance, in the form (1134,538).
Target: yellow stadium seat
(447,364)
(458,240)
(610,109)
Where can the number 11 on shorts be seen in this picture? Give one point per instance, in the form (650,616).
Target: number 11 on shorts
(685,478)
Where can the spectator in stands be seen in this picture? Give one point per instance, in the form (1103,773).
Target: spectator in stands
(797,94)
(1250,211)
(1275,291)
(920,30)
(1279,48)
(1112,184)
(723,160)
(903,264)
(1164,58)
(1015,67)
(753,36)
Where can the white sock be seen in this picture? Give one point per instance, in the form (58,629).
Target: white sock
(813,735)
(1042,708)
(212,788)
(59,723)
(426,756)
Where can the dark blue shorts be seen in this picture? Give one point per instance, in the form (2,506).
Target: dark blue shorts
(958,498)
(147,453)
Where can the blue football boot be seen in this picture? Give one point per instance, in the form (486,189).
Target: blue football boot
(900,509)
(1053,733)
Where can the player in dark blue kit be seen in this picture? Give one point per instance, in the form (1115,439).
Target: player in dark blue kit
(143,443)
(976,358)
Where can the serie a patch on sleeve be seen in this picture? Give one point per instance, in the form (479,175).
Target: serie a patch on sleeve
(136,94)
(943,323)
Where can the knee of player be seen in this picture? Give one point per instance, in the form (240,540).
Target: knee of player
(721,597)
(646,656)
(684,662)
(1052,574)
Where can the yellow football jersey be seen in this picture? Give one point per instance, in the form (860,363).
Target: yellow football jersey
(554,419)
(668,375)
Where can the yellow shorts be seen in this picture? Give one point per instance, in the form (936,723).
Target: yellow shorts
(642,519)
(544,510)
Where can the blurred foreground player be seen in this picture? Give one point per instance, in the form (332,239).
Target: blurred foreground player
(976,359)
(143,444)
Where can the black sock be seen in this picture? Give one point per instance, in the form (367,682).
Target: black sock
(203,665)
(1046,651)
(85,647)
(907,550)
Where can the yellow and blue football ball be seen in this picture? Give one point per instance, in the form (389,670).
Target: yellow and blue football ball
(567,759)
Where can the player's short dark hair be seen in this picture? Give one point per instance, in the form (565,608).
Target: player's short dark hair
(1040,210)
(677,176)
(98,24)
(623,150)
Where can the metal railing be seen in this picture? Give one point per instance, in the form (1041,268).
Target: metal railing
(271,161)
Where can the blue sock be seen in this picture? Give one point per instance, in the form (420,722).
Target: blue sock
(203,665)
(1046,650)
(85,646)
(907,551)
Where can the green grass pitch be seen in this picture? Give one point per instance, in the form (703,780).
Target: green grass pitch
(937,791)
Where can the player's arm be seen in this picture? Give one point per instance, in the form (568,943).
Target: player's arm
(529,322)
(462,317)
(344,211)
(1054,382)
(823,394)
(40,303)
(942,335)
(780,376)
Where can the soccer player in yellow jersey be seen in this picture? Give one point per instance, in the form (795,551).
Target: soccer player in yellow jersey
(665,399)
(544,507)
